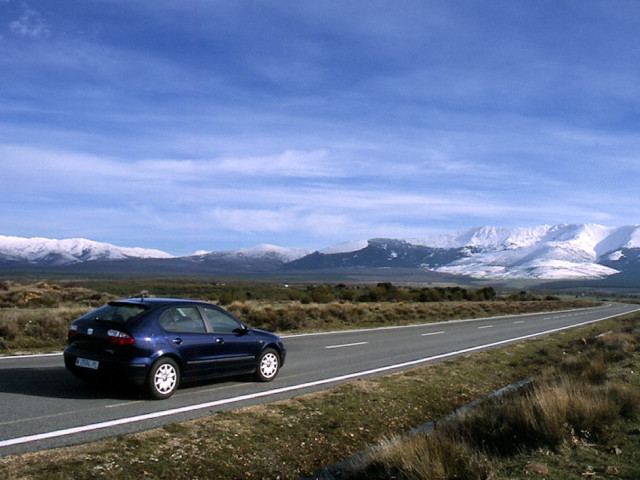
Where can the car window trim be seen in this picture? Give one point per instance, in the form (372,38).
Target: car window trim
(227,313)
(208,330)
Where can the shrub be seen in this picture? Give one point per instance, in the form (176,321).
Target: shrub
(232,295)
(8,329)
(321,294)
(37,328)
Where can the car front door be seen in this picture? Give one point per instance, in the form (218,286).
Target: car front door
(236,345)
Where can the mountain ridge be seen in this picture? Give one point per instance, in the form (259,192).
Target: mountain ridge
(553,252)
(48,251)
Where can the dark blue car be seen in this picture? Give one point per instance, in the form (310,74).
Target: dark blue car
(161,342)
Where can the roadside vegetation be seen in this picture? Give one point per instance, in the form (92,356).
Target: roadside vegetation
(577,418)
(36,316)
(227,293)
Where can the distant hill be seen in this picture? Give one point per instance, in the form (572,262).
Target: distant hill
(549,252)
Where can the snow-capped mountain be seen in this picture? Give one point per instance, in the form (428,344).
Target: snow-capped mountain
(345,247)
(559,251)
(45,251)
(586,251)
(264,250)
(259,259)
(283,254)
(549,252)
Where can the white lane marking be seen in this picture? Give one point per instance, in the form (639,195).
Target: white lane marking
(291,388)
(37,419)
(346,345)
(432,333)
(485,326)
(35,355)
(519,321)
(464,320)
(123,404)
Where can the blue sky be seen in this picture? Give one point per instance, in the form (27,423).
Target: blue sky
(224,124)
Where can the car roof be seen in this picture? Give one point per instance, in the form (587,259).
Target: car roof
(157,301)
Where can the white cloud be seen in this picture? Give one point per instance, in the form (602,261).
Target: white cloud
(30,24)
(282,221)
(290,163)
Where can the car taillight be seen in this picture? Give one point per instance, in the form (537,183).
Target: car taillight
(73,330)
(119,338)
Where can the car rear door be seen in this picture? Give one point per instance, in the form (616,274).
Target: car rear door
(184,327)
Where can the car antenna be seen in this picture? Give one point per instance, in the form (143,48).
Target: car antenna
(144,294)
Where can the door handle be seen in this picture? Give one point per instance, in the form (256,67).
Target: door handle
(219,340)
(177,341)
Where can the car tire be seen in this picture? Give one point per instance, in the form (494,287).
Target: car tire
(268,365)
(164,378)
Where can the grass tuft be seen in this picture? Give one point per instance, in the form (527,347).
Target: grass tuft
(427,457)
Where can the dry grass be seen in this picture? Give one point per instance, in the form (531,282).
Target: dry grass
(36,329)
(36,317)
(421,456)
(575,403)
(43,294)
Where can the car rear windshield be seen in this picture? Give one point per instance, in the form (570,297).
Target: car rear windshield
(116,313)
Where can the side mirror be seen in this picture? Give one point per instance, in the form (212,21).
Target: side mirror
(242,330)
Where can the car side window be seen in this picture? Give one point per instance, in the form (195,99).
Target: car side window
(183,319)
(167,322)
(221,322)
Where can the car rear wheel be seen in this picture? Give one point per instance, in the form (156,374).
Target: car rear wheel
(268,365)
(164,378)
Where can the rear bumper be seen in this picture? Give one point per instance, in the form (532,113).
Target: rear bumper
(133,371)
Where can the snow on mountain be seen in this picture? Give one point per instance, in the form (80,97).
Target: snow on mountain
(68,251)
(486,237)
(264,250)
(627,237)
(634,239)
(285,254)
(560,251)
(345,247)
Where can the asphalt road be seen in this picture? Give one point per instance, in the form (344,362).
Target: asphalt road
(43,406)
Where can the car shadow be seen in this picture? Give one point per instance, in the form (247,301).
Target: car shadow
(57,382)
(222,380)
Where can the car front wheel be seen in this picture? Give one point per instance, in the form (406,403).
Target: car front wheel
(164,378)
(268,365)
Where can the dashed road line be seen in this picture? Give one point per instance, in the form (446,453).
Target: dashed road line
(432,333)
(346,345)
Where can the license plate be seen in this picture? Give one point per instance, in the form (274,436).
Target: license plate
(86,363)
